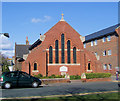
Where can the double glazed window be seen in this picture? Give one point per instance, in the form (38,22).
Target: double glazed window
(62,50)
(50,55)
(56,52)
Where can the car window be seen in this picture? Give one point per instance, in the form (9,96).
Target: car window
(13,74)
(24,75)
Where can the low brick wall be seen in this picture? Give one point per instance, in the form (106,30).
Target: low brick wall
(55,80)
(95,79)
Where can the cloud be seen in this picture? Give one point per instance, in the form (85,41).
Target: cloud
(37,20)
(6,47)
(8,53)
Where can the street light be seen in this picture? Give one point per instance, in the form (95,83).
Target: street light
(5,34)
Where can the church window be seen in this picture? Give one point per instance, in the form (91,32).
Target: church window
(62,51)
(68,52)
(35,66)
(50,55)
(74,55)
(56,52)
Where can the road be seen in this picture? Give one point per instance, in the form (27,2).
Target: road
(60,89)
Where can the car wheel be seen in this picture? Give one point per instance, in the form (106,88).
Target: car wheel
(35,84)
(7,85)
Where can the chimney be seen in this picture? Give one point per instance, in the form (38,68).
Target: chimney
(27,42)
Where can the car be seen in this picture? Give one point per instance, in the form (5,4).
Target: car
(18,79)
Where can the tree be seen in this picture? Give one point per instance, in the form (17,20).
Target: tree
(4,62)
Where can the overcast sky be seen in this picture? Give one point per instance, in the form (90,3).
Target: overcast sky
(21,19)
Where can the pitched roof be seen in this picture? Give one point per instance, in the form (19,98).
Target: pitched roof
(21,49)
(101,33)
(38,42)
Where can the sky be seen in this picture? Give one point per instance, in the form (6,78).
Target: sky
(21,19)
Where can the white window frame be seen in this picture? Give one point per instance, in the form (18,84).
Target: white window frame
(104,39)
(104,53)
(105,66)
(109,38)
(110,67)
(95,42)
(92,43)
(109,52)
(84,45)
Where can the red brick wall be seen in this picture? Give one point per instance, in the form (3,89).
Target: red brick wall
(38,55)
(108,45)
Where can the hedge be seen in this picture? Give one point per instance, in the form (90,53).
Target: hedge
(97,75)
(40,76)
(75,77)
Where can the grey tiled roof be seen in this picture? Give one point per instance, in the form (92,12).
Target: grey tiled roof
(22,49)
(35,44)
(101,33)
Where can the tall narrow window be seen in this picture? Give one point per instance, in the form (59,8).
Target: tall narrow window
(109,38)
(104,39)
(56,52)
(88,66)
(68,52)
(95,42)
(35,66)
(110,67)
(84,45)
(74,55)
(105,66)
(91,43)
(62,51)
(109,52)
(104,53)
(50,55)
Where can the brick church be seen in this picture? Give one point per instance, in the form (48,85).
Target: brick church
(60,51)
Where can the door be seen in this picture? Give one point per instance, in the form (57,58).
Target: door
(24,79)
(29,69)
(13,78)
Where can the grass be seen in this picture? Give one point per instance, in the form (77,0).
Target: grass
(96,97)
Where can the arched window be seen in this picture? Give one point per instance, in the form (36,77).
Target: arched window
(68,52)
(74,55)
(62,50)
(88,66)
(50,55)
(56,52)
(35,66)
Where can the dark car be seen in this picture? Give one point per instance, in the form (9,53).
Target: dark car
(18,78)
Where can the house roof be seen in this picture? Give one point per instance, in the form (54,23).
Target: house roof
(38,42)
(21,49)
(101,33)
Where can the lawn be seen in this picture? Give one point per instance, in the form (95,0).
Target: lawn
(94,97)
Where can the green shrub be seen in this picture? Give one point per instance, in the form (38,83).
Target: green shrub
(38,76)
(97,75)
(75,77)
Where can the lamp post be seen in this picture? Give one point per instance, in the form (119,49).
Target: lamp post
(5,34)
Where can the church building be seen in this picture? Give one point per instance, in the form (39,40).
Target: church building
(60,51)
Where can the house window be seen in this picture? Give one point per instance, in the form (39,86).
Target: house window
(50,55)
(35,66)
(68,52)
(84,45)
(62,51)
(105,66)
(104,39)
(110,67)
(108,38)
(91,43)
(74,55)
(109,52)
(56,52)
(88,66)
(95,42)
(104,53)
(96,54)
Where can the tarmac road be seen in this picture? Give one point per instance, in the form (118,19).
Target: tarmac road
(75,87)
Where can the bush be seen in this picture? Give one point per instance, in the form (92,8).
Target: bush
(75,77)
(5,68)
(38,76)
(97,75)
